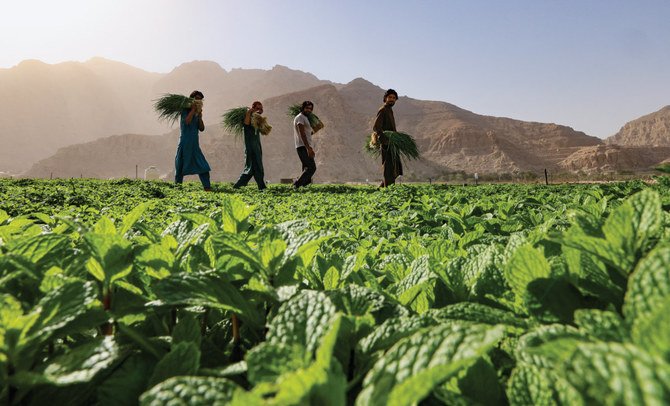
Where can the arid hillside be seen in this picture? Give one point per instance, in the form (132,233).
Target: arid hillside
(47,107)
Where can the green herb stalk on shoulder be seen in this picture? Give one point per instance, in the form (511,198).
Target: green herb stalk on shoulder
(170,106)
(314,120)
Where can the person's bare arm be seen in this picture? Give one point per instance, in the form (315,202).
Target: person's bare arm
(247,116)
(201,124)
(190,115)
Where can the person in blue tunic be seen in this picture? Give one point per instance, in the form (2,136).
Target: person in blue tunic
(190,159)
(253,153)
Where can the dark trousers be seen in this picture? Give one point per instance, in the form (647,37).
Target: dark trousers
(392,167)
(204,179)
(253,168)
(308,168)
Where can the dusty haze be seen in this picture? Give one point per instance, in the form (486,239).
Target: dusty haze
(95,119)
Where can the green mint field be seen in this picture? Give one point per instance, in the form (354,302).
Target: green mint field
(125,292)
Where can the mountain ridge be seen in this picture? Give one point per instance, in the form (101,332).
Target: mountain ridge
(648,130)
(76,103)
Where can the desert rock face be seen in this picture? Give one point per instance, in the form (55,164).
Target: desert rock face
(340,155)
(650,130)
(640,145)
(614,158)
(450,138)
(109,157)
(47,107)
(63,116)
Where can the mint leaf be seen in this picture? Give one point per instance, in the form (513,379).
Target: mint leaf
(410,370)
(190,390)
(183,359)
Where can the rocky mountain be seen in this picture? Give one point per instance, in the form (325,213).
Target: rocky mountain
(615,158)
(59,119)
(108,157)
(46,107)
(451,139)
(650,130)
(340,155)
(640,145)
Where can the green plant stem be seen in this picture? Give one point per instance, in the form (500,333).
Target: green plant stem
(107,328)
(203,323)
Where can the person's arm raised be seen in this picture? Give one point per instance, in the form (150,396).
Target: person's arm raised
(247,116)
(190,115)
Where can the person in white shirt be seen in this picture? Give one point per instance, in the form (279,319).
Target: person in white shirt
(302,132)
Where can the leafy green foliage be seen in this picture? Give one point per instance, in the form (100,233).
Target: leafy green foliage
(190,390)
(268,361)
(416,290)
(628,230)
(480,313)
(480,383)
(529,386)
(302,321)
(665,168)
(114,291)
(127,382)
(322,382)
(414,366)
(81,364)
(617,373)
(649,285)
(183,359)
(603,325)
(393,330)
(206,289)
(187,330)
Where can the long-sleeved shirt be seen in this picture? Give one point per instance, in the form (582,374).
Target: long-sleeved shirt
(384,121)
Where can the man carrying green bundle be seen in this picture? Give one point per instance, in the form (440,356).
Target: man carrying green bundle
(190,159)
(302,132)
(253,154)
(391,165)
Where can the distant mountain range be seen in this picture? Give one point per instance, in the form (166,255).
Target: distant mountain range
(639,145)
(650,130)
(61,119)
(46,107)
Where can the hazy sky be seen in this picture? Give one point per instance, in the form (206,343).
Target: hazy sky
(589,64)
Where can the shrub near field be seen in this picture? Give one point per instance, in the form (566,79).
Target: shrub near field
(119,292)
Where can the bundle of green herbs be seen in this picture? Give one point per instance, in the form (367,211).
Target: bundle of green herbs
(399,144)
(314,120)
(170,106)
